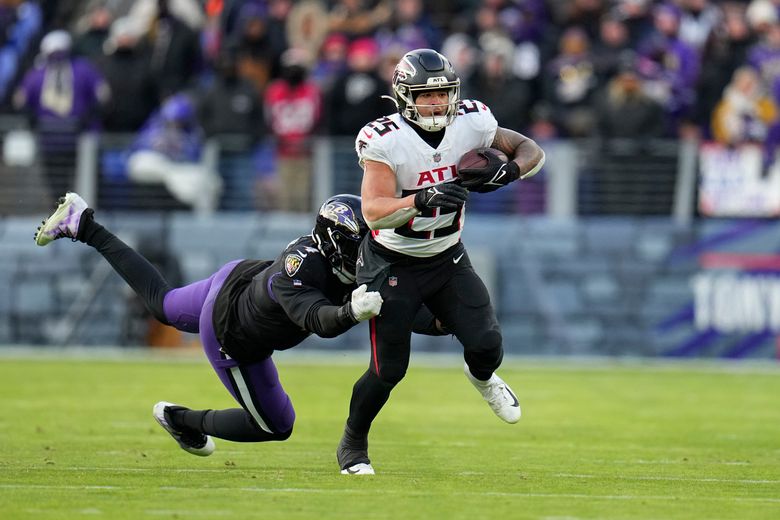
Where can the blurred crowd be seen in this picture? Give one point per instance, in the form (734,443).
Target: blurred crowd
(174,72)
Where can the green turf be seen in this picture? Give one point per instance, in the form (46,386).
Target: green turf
(77,440)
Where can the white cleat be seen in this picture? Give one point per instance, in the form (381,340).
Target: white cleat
(64,222)
(498,395)
(358,469)
(193,442)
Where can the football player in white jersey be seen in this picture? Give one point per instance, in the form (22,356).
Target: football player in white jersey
(414,203)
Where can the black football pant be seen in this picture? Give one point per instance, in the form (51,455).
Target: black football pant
(448,285)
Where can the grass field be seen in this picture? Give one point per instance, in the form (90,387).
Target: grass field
(615,441)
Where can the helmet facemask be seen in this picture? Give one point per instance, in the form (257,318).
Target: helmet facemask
(432,123)
(341,251)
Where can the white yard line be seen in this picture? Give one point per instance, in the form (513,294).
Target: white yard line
(93,469)
(671,479)
(405,492)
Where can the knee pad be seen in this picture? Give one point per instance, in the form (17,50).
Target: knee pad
(486,355)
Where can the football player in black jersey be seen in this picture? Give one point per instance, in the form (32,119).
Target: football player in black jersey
(243,313)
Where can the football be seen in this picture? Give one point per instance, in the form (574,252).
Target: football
(473,160)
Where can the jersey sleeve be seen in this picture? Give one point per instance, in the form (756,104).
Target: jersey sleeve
(300,291)
(480,118)
(373,146)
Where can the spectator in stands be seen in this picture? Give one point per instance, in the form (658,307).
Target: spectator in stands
(189,12)
(93,30)
(293,107)
(332,61)
(698,19)
(628,122)
(27,22)
(230,106)
(496,86)
(745,111)
(764,56)
(461,49)
(624,110)
(125,65)
(168,151)
(637,15)
(612,43)
(570,82)
(257,58)
(670,67)
(278,28)
(356,96)
(63,96)
(355,18)
(411,24)
(725,52)
(175,49)
(306,25)
(584,14)
(20,25)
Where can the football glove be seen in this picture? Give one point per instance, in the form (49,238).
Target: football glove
(364,304)
(448,196)
(494,175)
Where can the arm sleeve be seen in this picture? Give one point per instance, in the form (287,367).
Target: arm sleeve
(305,303)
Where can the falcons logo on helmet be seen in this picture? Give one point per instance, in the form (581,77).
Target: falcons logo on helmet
(404,70)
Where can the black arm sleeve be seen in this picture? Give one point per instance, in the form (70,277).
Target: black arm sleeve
(425,323)
(328,321)
(309,295)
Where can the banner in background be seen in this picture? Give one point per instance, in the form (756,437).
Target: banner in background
(733,182)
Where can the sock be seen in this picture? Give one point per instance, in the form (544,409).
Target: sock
(233,424)
(137,271)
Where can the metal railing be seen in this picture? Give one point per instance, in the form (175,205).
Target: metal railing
(580,177)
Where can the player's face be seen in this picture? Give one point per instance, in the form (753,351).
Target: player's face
(432,102)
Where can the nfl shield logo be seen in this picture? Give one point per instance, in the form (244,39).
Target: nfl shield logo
(392,281)
(436,157)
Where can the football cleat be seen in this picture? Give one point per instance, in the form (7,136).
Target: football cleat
(191,441)
(498,395)
(64,222)
(358,469)
(352,454)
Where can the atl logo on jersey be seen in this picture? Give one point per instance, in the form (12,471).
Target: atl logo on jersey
(436,175)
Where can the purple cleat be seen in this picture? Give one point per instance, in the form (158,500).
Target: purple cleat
(64,222)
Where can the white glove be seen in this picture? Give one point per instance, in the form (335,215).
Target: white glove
(365,305)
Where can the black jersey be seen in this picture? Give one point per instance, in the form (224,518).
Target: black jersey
(265,306)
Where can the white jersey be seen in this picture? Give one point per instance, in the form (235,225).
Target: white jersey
(391,140)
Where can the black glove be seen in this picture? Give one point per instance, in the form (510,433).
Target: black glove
(489,178)
(448,197)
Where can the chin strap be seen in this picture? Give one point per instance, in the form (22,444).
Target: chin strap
(391,98)
(343,277)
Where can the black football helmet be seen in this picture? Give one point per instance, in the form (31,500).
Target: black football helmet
(338,231)
(419,70)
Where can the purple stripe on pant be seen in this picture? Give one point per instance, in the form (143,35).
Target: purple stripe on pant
(190,309)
